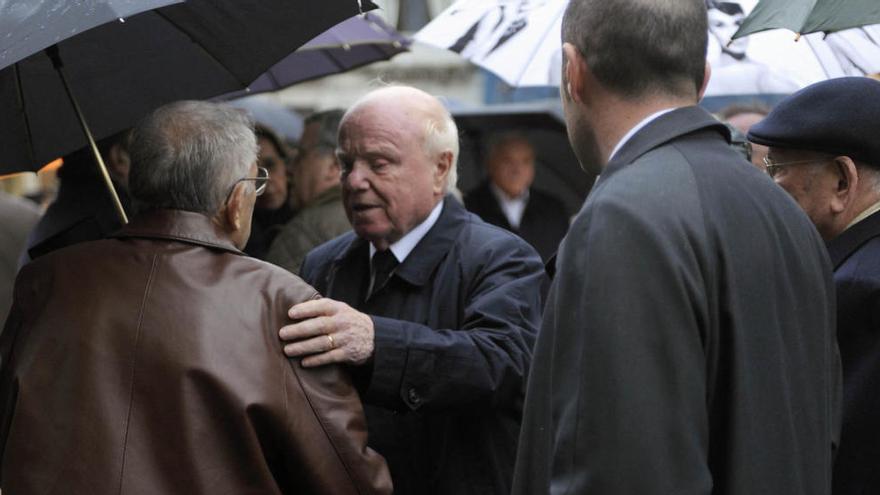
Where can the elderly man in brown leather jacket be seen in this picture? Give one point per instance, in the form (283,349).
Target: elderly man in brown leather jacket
(150,363)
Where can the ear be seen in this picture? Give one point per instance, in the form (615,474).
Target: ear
(235,207)
(847,186)
(119,162)
(442,167)
(707,74)
(574,68)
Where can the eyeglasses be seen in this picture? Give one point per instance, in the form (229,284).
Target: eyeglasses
(260,182)
(773,168)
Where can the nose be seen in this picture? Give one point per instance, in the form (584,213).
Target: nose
(357,179)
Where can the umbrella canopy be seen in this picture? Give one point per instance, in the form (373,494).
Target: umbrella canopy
(518,40)
(269,112)
(355,42)
(120,71)
(777,62)
(810,16)
(557,170)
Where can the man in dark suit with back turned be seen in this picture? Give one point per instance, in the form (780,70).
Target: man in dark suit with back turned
(506,198)
(824,150)
(688,340)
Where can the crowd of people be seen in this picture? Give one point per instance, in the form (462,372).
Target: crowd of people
(335,317)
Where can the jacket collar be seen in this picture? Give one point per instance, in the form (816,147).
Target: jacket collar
(329,196)
(417,268)
(178,225)
(661,130)
(850,240)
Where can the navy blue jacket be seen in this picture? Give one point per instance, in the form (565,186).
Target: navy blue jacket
(455,326)
(855,255)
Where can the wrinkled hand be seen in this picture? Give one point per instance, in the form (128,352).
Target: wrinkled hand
(350,331)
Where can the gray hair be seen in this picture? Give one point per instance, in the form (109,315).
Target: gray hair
(635,47)
(188,155)
(441,135)
(328,127)
(499,140)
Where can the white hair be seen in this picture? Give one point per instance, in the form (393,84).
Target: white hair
(441,135)
(188,155)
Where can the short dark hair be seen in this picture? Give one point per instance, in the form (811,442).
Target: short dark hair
(328,127)
(635,47)
(501,139)
(265,132)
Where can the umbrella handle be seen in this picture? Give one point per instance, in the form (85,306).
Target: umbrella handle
(53,54)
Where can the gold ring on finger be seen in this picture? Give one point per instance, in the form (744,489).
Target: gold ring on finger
(332,342)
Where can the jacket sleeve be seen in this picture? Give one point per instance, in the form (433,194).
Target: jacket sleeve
(626,357)
(326,436)
(482,363)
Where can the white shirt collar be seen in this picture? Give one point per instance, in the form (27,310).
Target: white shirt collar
(865,214)
(626,137)
(408,242)
(513,208)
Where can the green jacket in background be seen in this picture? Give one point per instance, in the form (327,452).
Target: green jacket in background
(316,224)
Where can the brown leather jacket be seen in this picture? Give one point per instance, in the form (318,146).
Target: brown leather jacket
(150,364)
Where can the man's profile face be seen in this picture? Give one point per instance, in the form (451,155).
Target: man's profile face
(311,166)
(581,134)
(811,185)
(511,167)
(388,181)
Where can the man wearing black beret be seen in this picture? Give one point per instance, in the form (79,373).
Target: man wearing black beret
(825,151)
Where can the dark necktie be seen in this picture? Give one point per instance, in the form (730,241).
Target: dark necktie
(381,268)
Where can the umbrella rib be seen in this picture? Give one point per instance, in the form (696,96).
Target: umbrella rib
(868,35)
(27,123)
(275,81)
(818,58)
(202,48)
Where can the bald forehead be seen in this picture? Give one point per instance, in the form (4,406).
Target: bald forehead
(399,102)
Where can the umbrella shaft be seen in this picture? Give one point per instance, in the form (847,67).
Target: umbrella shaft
(53,54)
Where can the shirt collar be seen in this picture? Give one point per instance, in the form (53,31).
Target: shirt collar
(503,197)
(626,137)
(408,242)
(874,208)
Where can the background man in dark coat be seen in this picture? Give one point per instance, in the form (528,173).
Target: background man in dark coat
(150,363)
(83,210)
(506,198)
(688,339)
(825,151)
(435,310)
(315,193)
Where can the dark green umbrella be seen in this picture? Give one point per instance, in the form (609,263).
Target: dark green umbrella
(809,16)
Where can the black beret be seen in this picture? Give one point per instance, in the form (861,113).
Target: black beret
(838,116)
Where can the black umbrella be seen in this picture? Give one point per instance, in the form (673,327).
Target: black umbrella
(557,170)
(120,68)
(353,43)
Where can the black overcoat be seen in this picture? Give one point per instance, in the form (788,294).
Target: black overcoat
(856,257)
(544,221)
(455,326)
(688,341)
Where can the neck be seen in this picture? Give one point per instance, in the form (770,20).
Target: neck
(615,116)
